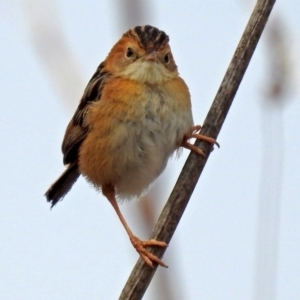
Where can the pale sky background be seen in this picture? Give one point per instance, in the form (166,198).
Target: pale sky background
(79,250)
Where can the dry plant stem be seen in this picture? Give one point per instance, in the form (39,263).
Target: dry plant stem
(175,206)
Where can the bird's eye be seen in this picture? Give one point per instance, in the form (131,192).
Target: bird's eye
(129,52)
(167,58)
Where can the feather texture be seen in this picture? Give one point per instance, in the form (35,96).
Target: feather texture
(63,184)
(77,128)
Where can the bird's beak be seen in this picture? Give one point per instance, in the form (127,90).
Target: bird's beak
(151,56)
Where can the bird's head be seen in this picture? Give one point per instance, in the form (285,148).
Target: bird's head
(142,54)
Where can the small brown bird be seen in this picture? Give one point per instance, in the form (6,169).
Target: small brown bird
(134,114)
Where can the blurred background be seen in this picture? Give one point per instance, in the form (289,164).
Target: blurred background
(239,237)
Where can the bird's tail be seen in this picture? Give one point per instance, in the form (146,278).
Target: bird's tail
(63,184)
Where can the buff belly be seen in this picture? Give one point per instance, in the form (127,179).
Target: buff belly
(131,149)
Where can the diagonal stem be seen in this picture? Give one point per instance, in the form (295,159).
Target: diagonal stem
(175,206)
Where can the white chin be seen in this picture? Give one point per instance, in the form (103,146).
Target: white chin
(147,71)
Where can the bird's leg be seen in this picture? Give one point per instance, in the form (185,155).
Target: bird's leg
(109,192)
(193,134)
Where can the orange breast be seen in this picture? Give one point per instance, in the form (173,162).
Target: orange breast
(134,129)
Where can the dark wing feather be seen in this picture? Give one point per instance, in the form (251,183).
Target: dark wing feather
(77,128)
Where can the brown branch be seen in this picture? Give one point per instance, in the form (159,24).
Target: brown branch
(175,206)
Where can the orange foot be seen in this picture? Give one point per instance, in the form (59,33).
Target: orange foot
(146,255)
(193,134)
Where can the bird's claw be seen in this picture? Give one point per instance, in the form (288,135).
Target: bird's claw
(148,257)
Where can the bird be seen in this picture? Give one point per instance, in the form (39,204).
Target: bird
(135,113)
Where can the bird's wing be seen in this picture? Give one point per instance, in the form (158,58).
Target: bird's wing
(77,128)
